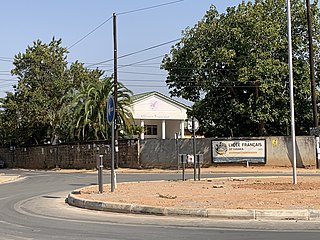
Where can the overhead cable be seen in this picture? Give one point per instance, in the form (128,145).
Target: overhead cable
(147,8)
(90,33)
(136,52)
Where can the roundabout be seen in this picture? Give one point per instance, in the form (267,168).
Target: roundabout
(35,208)
(252,198)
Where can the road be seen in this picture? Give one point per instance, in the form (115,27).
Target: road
(34,208)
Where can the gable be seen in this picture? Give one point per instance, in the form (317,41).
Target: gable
(154,106)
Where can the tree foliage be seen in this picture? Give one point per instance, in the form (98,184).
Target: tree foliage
(54,100)
(89,110)
(234,66)
(42,81)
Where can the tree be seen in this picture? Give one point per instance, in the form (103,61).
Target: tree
(32,110)
(36,112)
(80,77)
(234,67)
(89,107)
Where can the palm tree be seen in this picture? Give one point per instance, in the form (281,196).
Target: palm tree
(89,106)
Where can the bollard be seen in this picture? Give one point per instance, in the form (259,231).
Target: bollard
(199,161)
(100,174)
(115,180)
(183,160)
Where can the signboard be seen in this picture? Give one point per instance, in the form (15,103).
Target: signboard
(110,110)
(239,151)
(196,124)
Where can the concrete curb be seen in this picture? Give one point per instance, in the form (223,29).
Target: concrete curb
(11,178)
(243,214)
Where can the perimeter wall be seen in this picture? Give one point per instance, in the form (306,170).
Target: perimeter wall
(149,153)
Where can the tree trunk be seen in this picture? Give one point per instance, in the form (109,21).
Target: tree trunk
(262,128)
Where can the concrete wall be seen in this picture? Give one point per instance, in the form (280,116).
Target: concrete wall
(149,153)
(279,151)
(163,153)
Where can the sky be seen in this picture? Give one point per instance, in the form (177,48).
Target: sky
(26,21)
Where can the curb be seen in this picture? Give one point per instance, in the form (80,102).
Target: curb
(236,214)
(9,178)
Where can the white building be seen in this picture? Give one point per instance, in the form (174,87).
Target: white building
(159,115)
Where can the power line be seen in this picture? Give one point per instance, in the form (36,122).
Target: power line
(142,73)
(199,83)
(8,58)
(122,13)
(142,80)
(85,36)
(8,80)
(5,60)
(149,48)
(136,52)
(141,66)
(6,85)
(141,61)
(143,85)
(147,8)
(135,64)
(148,64)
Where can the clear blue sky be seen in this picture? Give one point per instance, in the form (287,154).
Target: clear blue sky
(25,21)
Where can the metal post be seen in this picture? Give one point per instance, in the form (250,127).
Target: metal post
(318,150)
(199,166)
(112,158)
(183,167)
(177,148)
(293,134)
(194,150)
(100,174)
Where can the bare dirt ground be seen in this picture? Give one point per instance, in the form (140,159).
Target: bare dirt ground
(228,193)
(224,193)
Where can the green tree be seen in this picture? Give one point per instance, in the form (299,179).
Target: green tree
(89,107)
(234,67)
(36,112)
(80,77)
(43,80)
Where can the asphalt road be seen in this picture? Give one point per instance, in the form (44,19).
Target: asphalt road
(34,208)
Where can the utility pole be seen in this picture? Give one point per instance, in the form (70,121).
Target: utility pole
(312,71)
(293,131)
(194,149)
(115,82)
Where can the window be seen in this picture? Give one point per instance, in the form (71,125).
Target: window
(151,129)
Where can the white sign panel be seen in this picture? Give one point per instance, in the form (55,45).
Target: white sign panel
(196,124)
(239,151)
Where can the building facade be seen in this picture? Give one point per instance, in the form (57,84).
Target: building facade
(161,117)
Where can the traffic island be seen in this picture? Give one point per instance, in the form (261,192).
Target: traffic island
(251,198)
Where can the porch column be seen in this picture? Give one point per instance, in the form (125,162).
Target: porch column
(142,134)
(182,128)
(163,129)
